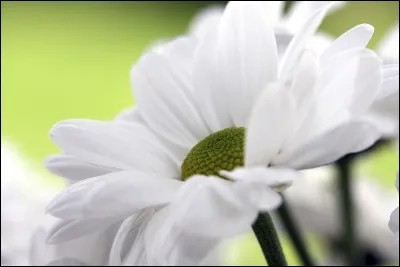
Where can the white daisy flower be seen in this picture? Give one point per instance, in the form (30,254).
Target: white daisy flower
(313,198)
(22,204)
(195,101)
(394,218)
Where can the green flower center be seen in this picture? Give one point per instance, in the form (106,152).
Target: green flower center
(223,150)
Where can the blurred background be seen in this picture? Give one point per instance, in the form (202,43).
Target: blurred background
(63,60)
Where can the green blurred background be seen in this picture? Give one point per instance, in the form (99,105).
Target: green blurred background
(63,60)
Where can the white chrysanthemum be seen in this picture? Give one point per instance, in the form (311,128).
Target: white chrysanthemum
(394,218)
(22,204)
(385,111)
(313,198)
(159,167)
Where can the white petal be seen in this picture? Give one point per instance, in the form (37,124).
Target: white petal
(212,207)
(357,37)
(169,245)
(270,123)
(114,194)
(344,85)
(347,138)
(129,115)
(389,47)
(270,176)
(234,64)
(304,92)
(205,20)
(302,10)
(92,249)
(181,51)
(164,96)
(128,240)
(114,145)
(387,124)
(367,84)
(247,55)
(390,83)
(320,42)
(208,91)
(67,230)
(301,38)
(70,167)
(273,11)
(261,184)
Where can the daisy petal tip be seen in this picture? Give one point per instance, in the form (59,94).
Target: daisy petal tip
(368,27)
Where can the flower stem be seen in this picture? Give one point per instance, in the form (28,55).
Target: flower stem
(288,221)
(268,239)
(347,210)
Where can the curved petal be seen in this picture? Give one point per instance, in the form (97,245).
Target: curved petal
(272,177)
(169,245)
(114,145)
(320,42)
(181,51)
(347,138)
(301,10)
(67,230)
(356,37)
(72,168)
(232,69)
(129,115)
(208,91)
(390,83)
(270,123)
(274,11)
(304,93)
(300,40)
(128,245)
(367,84)
(344,87)
(164,96)
(92,249)
(113,195)
(205,20)
(220,209)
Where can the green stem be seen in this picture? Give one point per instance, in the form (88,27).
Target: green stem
(268,239)
(288,221)
(347,210)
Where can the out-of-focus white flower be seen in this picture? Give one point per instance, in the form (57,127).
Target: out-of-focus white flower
(195,99)
(394,218)
(23,198)
(313,198)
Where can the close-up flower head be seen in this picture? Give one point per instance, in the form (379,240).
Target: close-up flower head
(264,125)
